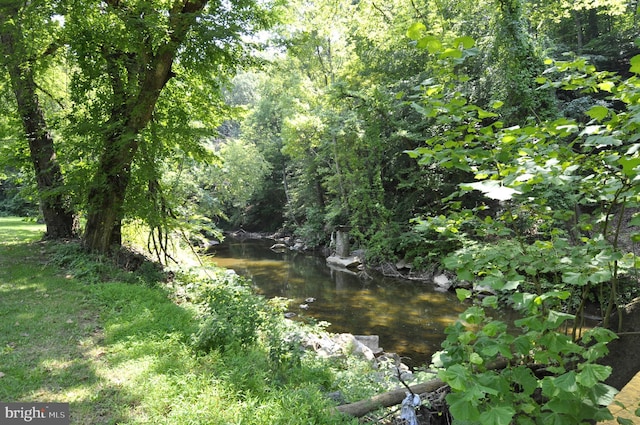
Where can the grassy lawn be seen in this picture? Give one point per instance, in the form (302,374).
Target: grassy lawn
(120,353)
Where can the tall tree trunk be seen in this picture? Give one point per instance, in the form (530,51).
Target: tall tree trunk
(579,29)
(133,113)
(58,215)
(106,197)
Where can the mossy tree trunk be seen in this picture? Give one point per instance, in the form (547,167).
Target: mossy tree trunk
(136,84)
(56,209)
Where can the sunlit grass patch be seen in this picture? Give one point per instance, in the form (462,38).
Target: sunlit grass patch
(15,230)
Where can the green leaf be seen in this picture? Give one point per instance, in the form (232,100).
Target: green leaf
(531,322)
(456,376)
(494,328)
(559,343)
(490,301)
(476,359)
(598,112)
(566,382)
(461,409)
(482,114)
(467,42)
(522,344)
(635,221)
(465,274)
(512,285)
(557,318)
(603,394)
(463,294)
(574,278)
(591,374)
(523,377)
(602,141)
(629,165)
(451,53)
(431,43)
(415,30)
(473,315)
(492,189)
(498,415)
(556,418)
(635,64)
(606,86)
(600,276)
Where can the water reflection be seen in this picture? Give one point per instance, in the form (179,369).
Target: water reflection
(409,317)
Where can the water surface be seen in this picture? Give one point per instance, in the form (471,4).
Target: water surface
(408,316)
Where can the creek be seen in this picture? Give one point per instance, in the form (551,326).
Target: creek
(408,316)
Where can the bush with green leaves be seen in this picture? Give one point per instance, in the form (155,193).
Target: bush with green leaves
(548,239)
(535,374)
(233,314)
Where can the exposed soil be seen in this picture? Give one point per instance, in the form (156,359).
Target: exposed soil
(624,353)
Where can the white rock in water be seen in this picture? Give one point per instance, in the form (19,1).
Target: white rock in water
(442,281)
(347,263)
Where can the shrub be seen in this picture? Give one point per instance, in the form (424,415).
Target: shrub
(539,375)
(233,315)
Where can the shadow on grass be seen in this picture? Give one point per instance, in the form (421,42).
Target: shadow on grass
(93,346)
(49,332)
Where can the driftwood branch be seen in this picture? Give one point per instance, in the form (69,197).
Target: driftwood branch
(391,398)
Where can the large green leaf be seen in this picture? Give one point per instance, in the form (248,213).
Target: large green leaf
(635,64)
(498,415)
(591,374)
(566,382)
(431,43)
(467,42)
(523,377)
(603,394)
(629,165)
(556,318)
(416,30)
(461,409)
(598,112)
(574,278)
(456,376)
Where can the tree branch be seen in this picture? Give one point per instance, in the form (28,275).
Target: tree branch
(391,398)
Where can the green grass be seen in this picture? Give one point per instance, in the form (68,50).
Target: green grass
(121,353)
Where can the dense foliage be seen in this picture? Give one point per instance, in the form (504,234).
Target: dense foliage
(113,94)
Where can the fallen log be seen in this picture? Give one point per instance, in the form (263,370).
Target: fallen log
(391,398)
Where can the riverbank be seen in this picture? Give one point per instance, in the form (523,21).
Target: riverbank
(119,348)
(120,352)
